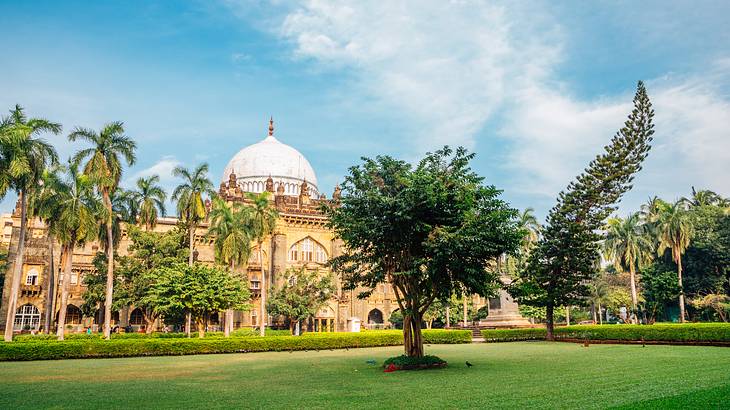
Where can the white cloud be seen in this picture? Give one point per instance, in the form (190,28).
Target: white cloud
(553,136)
(446,66)
(162,168)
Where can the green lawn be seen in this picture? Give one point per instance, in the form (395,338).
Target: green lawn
(505,375)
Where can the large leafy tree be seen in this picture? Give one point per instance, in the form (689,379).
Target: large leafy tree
(230,226)
(429,231)
(301,295)
(147,252)
(198,289)
(629,247)
(262,216)
(110,146)
(23,159)
(566,257)
(675,231)
(149,200)
(77,212)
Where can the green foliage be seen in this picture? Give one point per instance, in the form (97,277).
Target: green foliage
(231,228)
(514,335)
(198,289)
(301,294)
(566,256)
(159,346)
(149,200)
(659,287)
(428,231)
(695,332)
(404,362)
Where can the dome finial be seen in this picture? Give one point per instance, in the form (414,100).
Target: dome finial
(271,127)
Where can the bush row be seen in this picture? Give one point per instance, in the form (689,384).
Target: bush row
(155,335)
(95,348)
(689,332)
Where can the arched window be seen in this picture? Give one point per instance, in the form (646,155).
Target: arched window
(320,254)
(294,253)
(136,318)
(73,315)
(375,317)
(307,250)
(31,278)
(27,317)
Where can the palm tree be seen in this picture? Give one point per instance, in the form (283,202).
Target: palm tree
(528,222)
(42,204)
(263,221)
(675,231)
(77,210)
(599,291)
(23,159)
(190,206)
(149,199)
(231,228)
(629,247)
(104,168)
(189,197)
(703,197)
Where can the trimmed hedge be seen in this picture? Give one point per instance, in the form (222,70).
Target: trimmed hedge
(154,335)
(96,348)
(513,335)
(688,332)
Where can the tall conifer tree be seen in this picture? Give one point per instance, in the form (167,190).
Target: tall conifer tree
(567,254)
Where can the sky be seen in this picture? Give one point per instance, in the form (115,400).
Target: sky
(535,89)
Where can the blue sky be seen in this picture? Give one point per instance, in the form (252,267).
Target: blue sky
(534,88)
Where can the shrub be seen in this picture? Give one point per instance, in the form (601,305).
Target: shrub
(404,362)
(159,346)
(690,332)
(513,335)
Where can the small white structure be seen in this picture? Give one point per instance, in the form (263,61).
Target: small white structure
(353,324)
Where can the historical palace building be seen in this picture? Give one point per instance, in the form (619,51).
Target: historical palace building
(300,240)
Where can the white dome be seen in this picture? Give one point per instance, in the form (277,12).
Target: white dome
(254,164)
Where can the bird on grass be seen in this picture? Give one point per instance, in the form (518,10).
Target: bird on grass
(469,364)
(370,361)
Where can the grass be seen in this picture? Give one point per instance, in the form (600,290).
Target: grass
(505,375)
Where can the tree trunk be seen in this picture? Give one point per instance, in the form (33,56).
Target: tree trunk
(17,269)
(567,315)
(150,323)
(465,313)
(262,327)
(681,288)
(600,318)
(634,299)
(593,309)
(192,243)
(109,267)
(201,326)
(549,321)
(228,326)
(412,338)
(51,287)
(448,321)
(67,265)
(188,323)
(292,327)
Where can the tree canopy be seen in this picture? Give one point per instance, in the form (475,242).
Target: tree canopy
(429,231)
